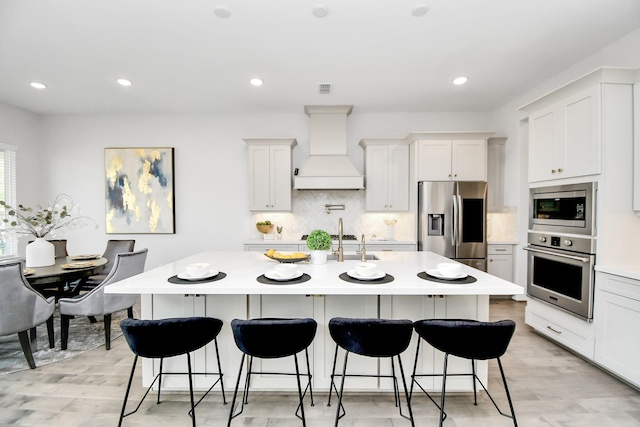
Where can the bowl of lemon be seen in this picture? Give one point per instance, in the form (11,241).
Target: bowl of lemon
(286,256)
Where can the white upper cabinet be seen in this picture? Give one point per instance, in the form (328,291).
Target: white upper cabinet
(270,173)
(495,174)
(564,138)
(452,160)
(636,147)
(386,174)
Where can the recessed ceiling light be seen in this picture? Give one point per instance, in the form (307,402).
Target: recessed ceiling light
(320,10)
(38,85)
(124,82)
(460,80)
(221,12)
(420,10)
(256,82)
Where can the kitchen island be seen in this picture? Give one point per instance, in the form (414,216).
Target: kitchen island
(323,296)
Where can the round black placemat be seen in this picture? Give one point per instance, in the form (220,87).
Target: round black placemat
(386,279)
(463,281)
(264,279)
(178,281)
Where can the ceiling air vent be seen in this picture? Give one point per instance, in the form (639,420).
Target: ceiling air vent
(324,88)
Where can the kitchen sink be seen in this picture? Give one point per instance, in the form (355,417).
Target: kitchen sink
(352,257)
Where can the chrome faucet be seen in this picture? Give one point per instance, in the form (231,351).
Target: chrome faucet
(340,251)
(363,252)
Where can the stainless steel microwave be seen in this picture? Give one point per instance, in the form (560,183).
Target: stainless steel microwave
(564,208)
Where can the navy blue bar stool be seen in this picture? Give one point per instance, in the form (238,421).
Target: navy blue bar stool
(167,338)
(273,339)
(372,338)
(468,339)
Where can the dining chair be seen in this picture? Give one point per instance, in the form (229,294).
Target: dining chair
(114,247)
(22,308)
(97,303)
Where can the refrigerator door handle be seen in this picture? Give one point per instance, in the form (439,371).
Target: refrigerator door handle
(454,225)
(459,226)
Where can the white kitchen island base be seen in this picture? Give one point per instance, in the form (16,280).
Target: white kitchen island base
(239,295)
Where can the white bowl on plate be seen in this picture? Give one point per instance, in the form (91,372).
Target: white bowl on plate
(366,269)
(449,269)
(199,269)
(286,270)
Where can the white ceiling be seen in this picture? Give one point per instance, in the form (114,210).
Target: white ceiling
(378,57)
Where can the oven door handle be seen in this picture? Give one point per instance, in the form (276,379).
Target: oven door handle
(573,257)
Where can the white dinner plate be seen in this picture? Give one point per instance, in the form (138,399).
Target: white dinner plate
(377,275)
(436,273)
(187,276)
(274,276)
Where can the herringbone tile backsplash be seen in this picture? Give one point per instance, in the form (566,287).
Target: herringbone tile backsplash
(308,214)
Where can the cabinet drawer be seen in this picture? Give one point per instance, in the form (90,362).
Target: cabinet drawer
(581,341)
(500,249)
(618,285)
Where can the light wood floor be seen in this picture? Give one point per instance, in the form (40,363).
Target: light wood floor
(549,387)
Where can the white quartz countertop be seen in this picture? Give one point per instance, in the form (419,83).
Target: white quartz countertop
(630,271)
(244,267)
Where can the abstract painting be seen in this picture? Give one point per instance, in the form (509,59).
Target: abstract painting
(139,190)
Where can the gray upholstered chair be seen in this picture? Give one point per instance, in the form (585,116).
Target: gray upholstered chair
(97,303)
(114,247)
(22,308)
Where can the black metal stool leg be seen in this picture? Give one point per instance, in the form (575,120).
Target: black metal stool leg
(473,378)
(224,399)
(126,394)
(406,392)
(444,387)
(160,380)
(304,422)
(344,375)
(193,406)
(506,389)
(332,386)
(245,394)
(306,353)
(396,391)
(235,392)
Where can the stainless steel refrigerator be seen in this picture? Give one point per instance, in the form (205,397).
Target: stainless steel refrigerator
(452,221)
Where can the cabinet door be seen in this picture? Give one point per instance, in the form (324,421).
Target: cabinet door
(495,176)
(260,178)
(617,335)
(434,160)
(377,177)
(582,134)
(280,177)
(398,178)
(500,266)
(545,156)
(469,160)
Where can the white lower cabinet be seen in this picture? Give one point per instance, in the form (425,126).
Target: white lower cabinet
(322,308)
(566,329)
(500,261)
(617,308)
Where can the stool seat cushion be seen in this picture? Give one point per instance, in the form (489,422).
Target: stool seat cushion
(469,339)
(273,338)
(169,337)
(371,337)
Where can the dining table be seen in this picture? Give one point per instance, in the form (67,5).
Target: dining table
(66,270)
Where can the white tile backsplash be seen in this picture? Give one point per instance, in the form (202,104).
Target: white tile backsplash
(503,226)
(308,214)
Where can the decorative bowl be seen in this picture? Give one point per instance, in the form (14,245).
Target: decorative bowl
(265,229)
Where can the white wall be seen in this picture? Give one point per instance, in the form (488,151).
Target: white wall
(211,169)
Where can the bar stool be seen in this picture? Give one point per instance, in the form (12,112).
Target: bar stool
(166,338)
(273,339)
(468,339)
(372,338)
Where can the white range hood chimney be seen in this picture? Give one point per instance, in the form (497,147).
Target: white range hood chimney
(328,167)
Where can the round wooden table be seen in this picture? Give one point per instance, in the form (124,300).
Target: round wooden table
(57,275)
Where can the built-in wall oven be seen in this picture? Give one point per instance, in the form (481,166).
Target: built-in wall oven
(562,247)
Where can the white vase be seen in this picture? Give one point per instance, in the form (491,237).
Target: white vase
(40,253)
(318,257)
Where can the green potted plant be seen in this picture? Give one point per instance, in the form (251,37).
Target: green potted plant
(319,241)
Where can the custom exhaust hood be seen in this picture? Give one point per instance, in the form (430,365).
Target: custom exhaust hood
(328,167)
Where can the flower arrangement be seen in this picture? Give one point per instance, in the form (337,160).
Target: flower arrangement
(319,240)
(62,214)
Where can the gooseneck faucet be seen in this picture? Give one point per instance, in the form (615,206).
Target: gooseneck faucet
(363,252)
(340,251)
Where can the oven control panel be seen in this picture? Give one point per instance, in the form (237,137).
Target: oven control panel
(574,244)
